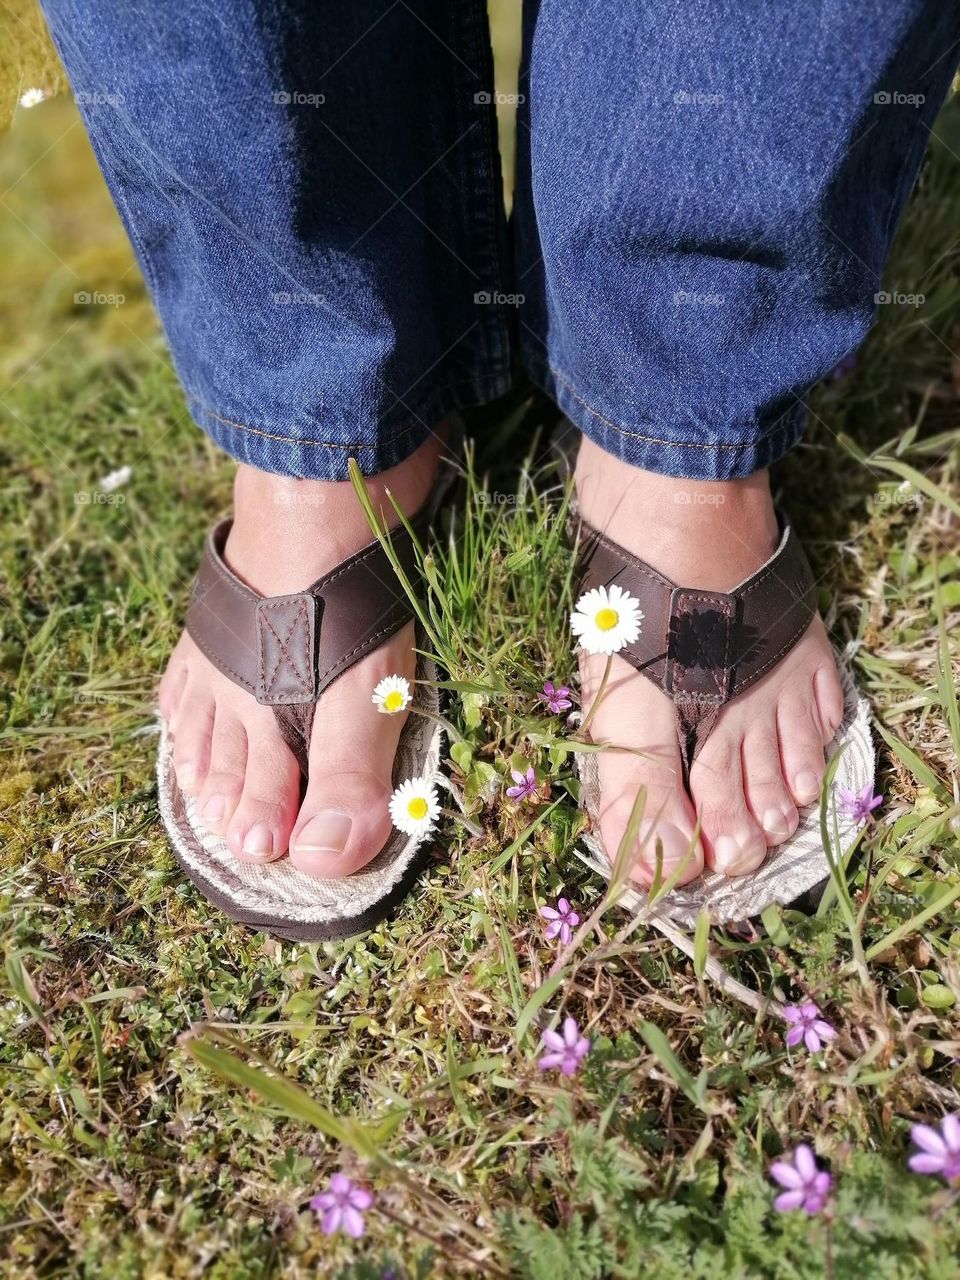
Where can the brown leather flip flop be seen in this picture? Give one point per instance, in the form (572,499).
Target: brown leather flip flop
(285,651)
(703,648)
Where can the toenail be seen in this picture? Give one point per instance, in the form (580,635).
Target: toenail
(806,786)
(258,842)
(187,774)
(775,824)
(326,832)
(676,851)
(727,853)
(214,809)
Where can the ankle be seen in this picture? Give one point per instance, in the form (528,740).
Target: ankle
(288,532)
(707,534)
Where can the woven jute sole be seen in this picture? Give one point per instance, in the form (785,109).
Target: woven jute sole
(789,871)
(275,896)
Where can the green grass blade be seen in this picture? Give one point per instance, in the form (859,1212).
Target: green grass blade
(663,1051)
(536,1003)
(280,1093)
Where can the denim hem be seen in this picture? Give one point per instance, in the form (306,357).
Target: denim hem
(685,459)
(271,450)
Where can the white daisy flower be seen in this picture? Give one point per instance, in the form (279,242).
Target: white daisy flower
(606,619)
(414,806)
(391,695)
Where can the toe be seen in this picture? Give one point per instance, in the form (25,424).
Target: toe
(638,725)
(344,820)
(665,838)
(223,784)
(830,701)
(734,843)
(173,682)
(192,737)
(260,827)
(766,793)
(801,746)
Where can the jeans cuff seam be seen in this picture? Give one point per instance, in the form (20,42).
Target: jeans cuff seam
(700,445)
(380,443)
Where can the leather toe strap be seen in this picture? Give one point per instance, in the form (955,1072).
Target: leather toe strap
(285,650)
(703,648)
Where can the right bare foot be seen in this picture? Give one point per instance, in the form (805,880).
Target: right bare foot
(228,751)
(765,757)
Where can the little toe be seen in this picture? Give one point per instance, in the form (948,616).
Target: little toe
(828,692)
(734,843)
(172,683)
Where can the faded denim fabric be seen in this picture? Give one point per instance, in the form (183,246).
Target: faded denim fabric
(706,195)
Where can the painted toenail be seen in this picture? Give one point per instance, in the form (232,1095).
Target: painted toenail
(214,809)
(806,786)
(727,853)
(258,842)
(775,824)
(326,832)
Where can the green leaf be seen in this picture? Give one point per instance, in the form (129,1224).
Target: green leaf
(773,922)
(701,943)
(281,1093)
(461,753)
(662,1050)
(503,858)
(922,772)
(536,1003)
(938,997)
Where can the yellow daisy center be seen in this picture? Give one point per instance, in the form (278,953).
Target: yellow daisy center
(606,619)
(393,701)
(417,808)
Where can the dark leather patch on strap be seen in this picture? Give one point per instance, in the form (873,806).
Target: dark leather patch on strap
(699,644)
(703,648)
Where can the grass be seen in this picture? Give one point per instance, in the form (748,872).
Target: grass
(175,1088)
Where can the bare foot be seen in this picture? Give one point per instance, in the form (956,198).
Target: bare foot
(228,752)
(765,757)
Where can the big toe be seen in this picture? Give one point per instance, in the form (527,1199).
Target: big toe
(637,724)
(344,820)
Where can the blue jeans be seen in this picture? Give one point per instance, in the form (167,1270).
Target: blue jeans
(706,195)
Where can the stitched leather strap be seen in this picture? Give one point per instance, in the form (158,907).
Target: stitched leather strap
(285,650)
(703,648)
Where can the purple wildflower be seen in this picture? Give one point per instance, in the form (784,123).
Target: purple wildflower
(860,805)
(342,1206)
(846,365)
(556,699)
(563,920)
(939,1150)
(566,1050)
(807,1025)
(807,1186)
(526,784)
